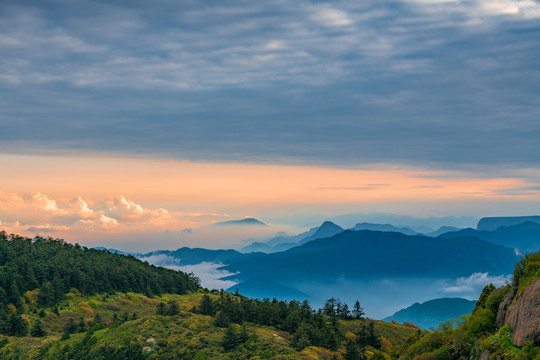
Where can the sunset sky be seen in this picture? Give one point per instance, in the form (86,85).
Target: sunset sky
(136,124)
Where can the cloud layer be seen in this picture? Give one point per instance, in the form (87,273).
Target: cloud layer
(417,81)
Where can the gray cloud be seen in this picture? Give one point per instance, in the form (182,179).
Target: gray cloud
(418,81)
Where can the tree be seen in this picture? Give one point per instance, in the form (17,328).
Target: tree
(301,338)
(172,308)
(230,338)
(373,338)
(222,320)
(17,325)
(38,330)
(71,327)
(82,325)
(207,306)
(161,309)
(351,351)
(330,307)
(358,311)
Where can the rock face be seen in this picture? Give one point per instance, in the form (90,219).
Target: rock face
(503,307)
(485,355)
(523,314)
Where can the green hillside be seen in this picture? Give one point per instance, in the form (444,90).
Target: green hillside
(63,301)
(127,326)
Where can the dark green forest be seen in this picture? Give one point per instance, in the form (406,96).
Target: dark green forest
(54,267)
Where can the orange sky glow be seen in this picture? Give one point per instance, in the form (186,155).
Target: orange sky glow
(84,198)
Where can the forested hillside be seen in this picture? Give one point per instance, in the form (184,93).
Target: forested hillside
(48,269)
(65,301)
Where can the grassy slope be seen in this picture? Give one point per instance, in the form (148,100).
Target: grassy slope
(174,336)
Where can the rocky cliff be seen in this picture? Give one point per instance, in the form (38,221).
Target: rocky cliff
(522,313)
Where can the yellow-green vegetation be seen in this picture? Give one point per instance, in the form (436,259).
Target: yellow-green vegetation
(128,327)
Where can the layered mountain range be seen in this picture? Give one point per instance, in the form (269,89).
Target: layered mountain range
(368,257)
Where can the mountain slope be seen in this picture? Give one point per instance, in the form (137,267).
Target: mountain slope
(524,237)
(361,254)
(431,313)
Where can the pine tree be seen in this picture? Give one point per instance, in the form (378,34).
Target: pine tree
(172,308)
(301,338)
(358,311)
(330,307)
(373,338)
(82,325)
(230,338)
(207,306)
(161,309)
(38,330)
(71,327)
(222,320)
(351,351)
(98,319)
(243,336)
(17,325)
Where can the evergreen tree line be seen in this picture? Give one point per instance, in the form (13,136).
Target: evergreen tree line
(308,327)
(53,267)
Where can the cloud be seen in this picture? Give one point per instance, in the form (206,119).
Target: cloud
(440,82)
(75,218)
(206,271)
(475,283)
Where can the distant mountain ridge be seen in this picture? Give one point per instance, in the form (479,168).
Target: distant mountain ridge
(339,255)
(384,227)
(243,222)
(431,313)
(493,223)
(194,256)
(282,243)
(524,236)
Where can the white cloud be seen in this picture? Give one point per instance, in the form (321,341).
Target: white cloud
(475,283)
(208,273)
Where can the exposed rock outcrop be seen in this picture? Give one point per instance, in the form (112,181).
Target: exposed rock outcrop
(485,355)
(503,307)
(523,314)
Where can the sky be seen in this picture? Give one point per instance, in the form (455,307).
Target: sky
(137,124)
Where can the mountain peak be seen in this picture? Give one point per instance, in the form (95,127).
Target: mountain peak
(326,229)
(243,222)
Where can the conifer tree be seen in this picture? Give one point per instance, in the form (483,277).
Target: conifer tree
(161,309)
(207,306)
(38,330)
(351,351)
(172,308)
(230,338)
(17,325)
(358,311)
